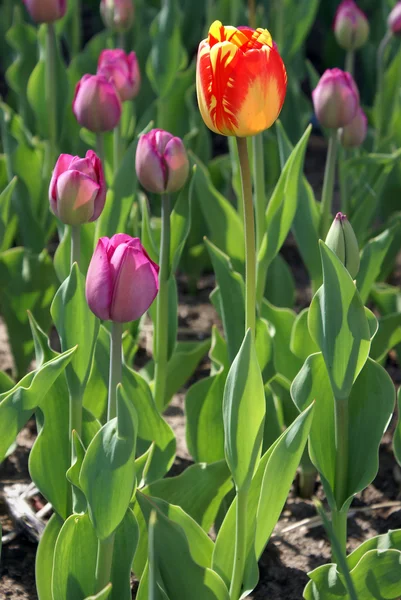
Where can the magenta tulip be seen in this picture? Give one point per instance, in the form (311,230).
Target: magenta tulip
(117,15)
(161,162)
(46,11)
(122,280)
(335,99)
(394,20)
(96,104)
(122,70)
(354,134)
(77,190)
(351,27)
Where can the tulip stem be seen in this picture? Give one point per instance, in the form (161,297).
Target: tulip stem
(75,244)
(380,85)
(51,94)
(115,372)
(259,185)
(161,333)
(350,62)
(339,517)
(328,184)
(116,146)
(240,544)
(100,149)
(76,29)
(249,228)
(104,562)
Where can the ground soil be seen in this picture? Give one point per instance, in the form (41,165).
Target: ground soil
(290,554)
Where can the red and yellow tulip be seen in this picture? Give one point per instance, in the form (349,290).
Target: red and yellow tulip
(241,80)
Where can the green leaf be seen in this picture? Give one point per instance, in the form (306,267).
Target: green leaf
(96,391)
(185,359)
(243,414)
(45,556)
(371,261)
(7,228)
(62,256)
(125,544)
(73,472)
(302,344)
(107,476)
(267,495)
(76,324)
(103,594)
(387,337)
(386,541)
(301,15)
(338,324)
(397,432)
(280,284)
(180,222)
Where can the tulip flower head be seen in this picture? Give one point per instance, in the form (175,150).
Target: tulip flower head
(96,104)
(335,99)
(241,80)
(122,70)
(46,11)
(122,280)
(77,190)
(354,134)
(117,15)
(161,162)
(341,239)
(351,26)
(394,20)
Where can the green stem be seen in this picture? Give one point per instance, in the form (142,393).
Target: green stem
(341,473)
(252,13)
(380,85)
(51,94)
(339,523)
(115,372)
(350,62)
(279,24)
(75,244)
(240,545)
(116,147)
(104,562)
(259,191)
(100,149)
(328,184)
(343,181)
(161,335)
(76,29)
(249,228)
(121,40)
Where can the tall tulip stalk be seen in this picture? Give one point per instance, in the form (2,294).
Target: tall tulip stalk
(351,29)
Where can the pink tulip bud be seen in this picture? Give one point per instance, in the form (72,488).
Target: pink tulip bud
(351,26)
(96,104)
(117,15)
(394,20)
(354,134)
(161,163)
(77,190)
(122,70)
(335,99)
(122,280)
(46,11)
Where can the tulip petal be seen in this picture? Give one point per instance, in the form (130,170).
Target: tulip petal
(98,282)
(99,177)
(76,195)
(177,163)
(62,164)
(149,165)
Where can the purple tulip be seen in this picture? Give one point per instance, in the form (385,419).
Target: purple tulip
(354,134)
(122,70)
(161,162)
(96,104)
(351,26)
(335,99)
(77,190)
(117,15)
(394,20)
(122,280)
(46,11)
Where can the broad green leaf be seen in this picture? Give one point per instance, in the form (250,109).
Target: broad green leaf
(45,556)
(96,390)
(232,294)
(264,347)
(386,541)
(107,475)
(371,262)
(104,594)
(62,256)
(387,337)
(180,222)
(125,544)
(172,318)
(302,16)
(338,324)
(27,282)
(243,414)
(267,495)
(7,222)
(302,344)
(280,387)
(280,284)
(73,472)
(397,432)
(76,324)
(147,233)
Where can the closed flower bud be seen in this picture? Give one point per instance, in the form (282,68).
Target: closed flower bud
(77,188)
(117,15)
(96,104)
(354,134)
(341,239)
(161,162)
(122,70)
(351,26)
(394,20)
(122,280)
(46,11)
(335,99)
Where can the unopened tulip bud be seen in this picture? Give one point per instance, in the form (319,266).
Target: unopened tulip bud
(394,20)
(96,104)
(161,162)
(354,134)
(117,15)
(335,99)
(351,26)
(77,188)
(341,239)
(122,280)
(122,70)
(46,11)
